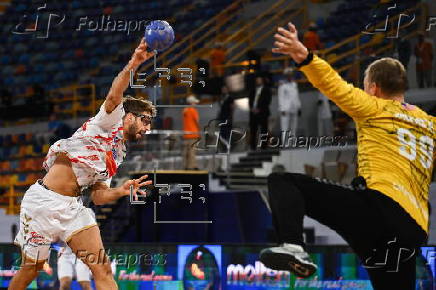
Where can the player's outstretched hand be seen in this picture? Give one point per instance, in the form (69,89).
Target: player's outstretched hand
(141,54)
(287,43)
(136,184)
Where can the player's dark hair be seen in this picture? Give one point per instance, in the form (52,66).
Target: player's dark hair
(138,106)
(388,74)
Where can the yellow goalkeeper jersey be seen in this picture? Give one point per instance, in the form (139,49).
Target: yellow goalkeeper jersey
(395,140)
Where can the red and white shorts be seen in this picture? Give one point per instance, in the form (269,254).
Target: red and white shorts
(47,217)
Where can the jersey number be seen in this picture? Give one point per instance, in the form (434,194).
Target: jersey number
(408,147)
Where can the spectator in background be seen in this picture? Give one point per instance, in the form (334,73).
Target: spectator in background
(6,97)
(404,51)
(225,116)
(40,99)
(278,168)
(14,230)
(311,38)
(191,126)
(353,74)
(217,58)
(325,123)
(58,129)
(254,60)
(289,103)
(424,61)
(38,95)
(259,101)
(69,266)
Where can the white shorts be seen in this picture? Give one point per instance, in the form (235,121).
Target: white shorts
(46,217)
(70,266)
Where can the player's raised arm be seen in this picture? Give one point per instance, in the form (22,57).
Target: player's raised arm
(355,102)
(121,82)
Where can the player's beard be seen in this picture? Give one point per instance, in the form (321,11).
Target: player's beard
(132,133)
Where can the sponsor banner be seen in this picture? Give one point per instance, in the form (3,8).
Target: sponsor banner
(216,267)
(339,285)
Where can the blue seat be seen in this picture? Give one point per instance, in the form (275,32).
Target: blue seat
(22,138)
(21,7)
(5,59)
(365,38)
(22,177)
(15,164)
(37,148)
(8,140)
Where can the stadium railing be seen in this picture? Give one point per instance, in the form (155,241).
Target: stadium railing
(211,28)
(13,203)
(74,100)
(222,27)
(349,47)
(278,16)
(193,45)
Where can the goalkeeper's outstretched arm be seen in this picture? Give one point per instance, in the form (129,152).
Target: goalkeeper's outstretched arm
(354,101)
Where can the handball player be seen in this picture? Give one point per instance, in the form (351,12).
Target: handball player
(384,213)
(69,266)
(52,209)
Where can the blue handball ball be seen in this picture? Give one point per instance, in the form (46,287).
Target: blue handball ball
(159,35)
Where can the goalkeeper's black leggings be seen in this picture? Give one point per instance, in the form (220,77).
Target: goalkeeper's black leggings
(369,221)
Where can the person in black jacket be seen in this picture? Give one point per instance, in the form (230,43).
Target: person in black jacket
(404,51)
(225,117)
(259,101)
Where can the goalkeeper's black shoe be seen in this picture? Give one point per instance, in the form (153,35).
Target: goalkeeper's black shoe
(288,257)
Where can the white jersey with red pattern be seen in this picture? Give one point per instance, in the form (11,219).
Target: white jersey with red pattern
(95,150)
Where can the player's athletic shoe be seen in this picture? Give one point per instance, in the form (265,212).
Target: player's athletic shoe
(288,257)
